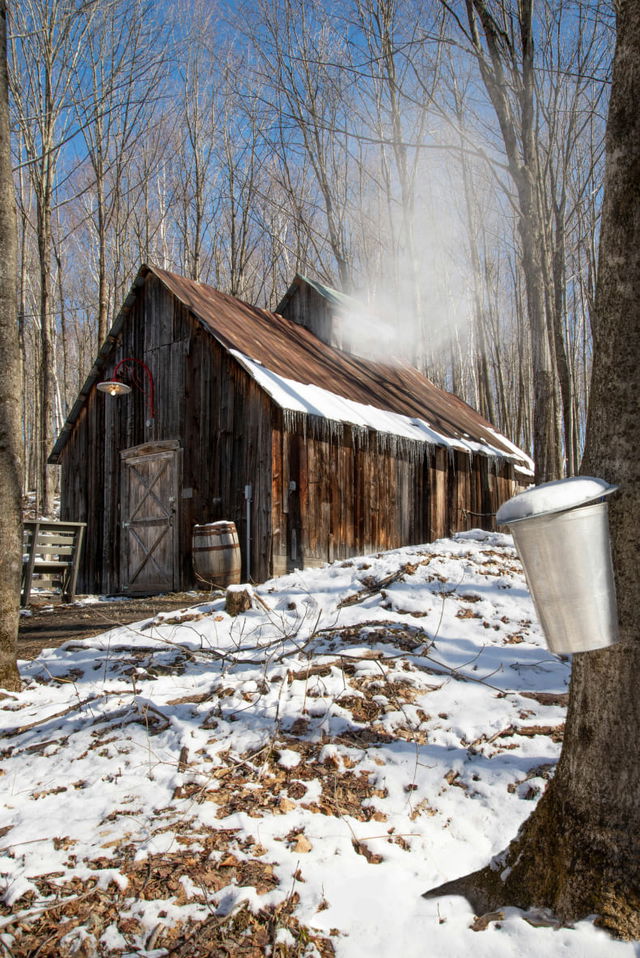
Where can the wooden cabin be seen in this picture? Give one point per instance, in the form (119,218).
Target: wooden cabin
(314,453)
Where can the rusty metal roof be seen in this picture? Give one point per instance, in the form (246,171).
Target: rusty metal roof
(292,351)
(289,350)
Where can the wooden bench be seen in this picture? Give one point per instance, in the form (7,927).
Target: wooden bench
(52,552)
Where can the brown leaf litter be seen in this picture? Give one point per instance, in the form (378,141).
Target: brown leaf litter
(69,917)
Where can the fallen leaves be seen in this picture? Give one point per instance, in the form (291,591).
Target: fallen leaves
(361,848)
(554,732)
(278,788)
(560,699)
(452,777)
(422,808)
(302,845)
(73,924)
(467,614)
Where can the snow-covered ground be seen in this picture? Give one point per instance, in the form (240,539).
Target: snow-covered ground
(290,780)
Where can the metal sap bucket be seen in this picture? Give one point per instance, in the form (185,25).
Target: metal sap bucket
(566,554)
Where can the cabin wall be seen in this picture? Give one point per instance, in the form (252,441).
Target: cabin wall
(206,402)
(83,492)
(338,497)
(227,446)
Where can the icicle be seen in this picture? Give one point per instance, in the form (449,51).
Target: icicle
(367,439)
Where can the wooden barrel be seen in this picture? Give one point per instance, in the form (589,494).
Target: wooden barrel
(216,553)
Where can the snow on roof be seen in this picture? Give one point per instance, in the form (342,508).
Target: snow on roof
(316,401)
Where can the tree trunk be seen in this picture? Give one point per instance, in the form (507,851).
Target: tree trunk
(10,396)
(579,853)
(508,76)
(546,428)
(47,356)
(103,296)
(558,279)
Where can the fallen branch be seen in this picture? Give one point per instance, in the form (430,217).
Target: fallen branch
(147,710)
(114,650)
(51,718)
(180,618)
(321,670)
(373,589)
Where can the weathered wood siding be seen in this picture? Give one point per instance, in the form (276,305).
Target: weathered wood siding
(206,402)
(335,498)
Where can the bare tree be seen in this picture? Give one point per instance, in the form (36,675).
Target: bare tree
(579,853)
(571,91)
(305,141)
(306,90)
(394,115)
(503,43)
(48,38)
(545,78)
(116,89)
(10,395)
(195,137)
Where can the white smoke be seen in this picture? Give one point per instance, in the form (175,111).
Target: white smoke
(415,308)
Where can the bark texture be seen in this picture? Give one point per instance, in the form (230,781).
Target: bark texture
(10,396)
(579,853)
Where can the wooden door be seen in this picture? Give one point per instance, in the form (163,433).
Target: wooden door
(149,503)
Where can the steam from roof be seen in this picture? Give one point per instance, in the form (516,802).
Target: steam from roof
(413,297)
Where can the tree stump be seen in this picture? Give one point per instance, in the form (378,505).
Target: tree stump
(238,598)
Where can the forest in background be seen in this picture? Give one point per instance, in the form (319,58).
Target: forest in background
(443,163)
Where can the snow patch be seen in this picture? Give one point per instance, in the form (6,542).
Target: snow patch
(338,757)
